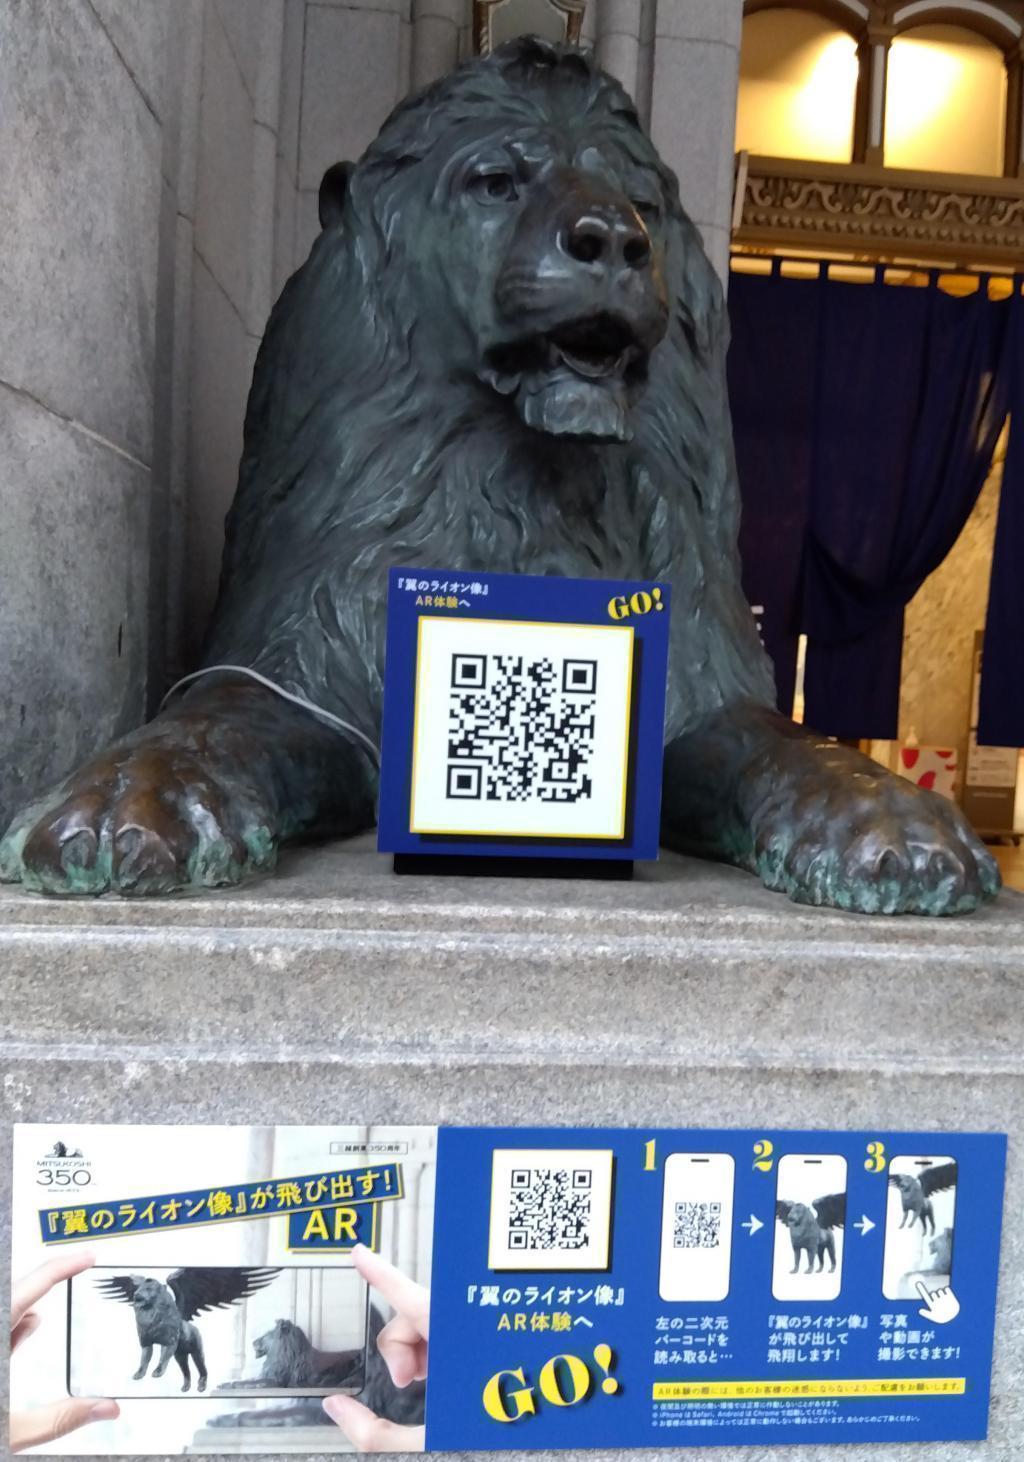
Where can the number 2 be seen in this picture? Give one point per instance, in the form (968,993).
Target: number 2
(763,1159)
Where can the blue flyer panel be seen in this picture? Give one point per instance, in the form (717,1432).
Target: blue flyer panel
(463,1289)
(685,1288)
(523,715)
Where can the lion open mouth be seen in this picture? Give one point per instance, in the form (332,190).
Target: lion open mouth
(575,379)
(595,348)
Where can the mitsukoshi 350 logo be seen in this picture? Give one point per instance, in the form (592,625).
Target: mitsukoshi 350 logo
(64,1166)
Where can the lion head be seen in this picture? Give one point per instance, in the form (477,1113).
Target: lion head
(798,1216)
(541,217)
(506,352)
(285,1351)
(150,1293)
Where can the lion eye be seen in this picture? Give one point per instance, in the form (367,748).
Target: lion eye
(494,187)
(648,210)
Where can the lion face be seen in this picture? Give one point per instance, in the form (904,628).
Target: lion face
(270,1342)
(560,282)
(148,1291)
(798,1215)
(535,226)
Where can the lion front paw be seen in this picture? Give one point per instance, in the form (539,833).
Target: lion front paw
(873,845)
(142,819)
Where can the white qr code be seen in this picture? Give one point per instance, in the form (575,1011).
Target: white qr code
(550,1209)
(521,728)
(697,1226)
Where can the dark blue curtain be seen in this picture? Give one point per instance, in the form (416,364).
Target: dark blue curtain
(1001,711)
(773,369)
(898,395)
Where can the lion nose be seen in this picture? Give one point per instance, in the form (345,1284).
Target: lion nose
(608,236)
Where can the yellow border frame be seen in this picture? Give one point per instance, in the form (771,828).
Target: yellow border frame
(518,832)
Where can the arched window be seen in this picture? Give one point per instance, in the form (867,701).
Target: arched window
(945,105)
(798,85)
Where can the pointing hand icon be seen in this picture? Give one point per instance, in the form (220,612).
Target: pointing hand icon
(940,1305)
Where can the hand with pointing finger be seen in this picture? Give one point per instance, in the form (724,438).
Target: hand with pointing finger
(47,1423)
(402,1344)
(940,1305)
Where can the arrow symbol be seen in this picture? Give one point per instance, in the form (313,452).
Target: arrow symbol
(753,1225)
(865,1225)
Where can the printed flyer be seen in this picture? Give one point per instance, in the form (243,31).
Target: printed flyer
(388,1288)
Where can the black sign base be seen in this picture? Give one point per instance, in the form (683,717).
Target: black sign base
(474,867)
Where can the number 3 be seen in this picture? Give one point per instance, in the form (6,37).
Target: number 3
(876,1159)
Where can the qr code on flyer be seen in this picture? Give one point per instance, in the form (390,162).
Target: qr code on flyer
(521,729)
(697,1226)
(550,1209)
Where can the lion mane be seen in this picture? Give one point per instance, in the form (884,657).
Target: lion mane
(361,454)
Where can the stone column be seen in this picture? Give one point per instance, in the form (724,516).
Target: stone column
(1014,160)
(436,25)
(355,67)
(618,25)
(81,197)
(869,128)
(693,108)
(232,270)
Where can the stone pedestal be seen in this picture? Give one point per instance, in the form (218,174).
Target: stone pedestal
(336,991)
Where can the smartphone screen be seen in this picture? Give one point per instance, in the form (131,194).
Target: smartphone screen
(920,1220)
(696,1226)
(810,1218)
(192,1331)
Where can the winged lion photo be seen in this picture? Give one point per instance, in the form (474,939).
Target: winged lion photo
(164,1313)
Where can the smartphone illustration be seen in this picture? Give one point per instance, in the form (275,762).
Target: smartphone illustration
(810,1219)
(696,1226)
(920,1220)
(230,1332)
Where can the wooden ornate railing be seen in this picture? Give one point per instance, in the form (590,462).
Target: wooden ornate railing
(878,212)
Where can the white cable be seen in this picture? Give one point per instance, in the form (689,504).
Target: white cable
(288,695)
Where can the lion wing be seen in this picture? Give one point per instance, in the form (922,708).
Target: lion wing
(936,1180)
(120,1287)
(197,1289)
(831,1210)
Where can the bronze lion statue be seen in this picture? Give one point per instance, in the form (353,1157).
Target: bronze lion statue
(505,352)
(289,1358)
